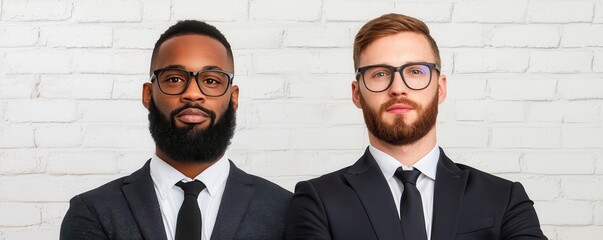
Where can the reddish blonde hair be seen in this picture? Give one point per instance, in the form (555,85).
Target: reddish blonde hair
(390,24)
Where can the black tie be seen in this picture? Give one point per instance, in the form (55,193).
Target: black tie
(188,226)
(411,207)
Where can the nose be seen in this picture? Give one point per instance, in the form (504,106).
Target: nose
(397,87)
(193,92)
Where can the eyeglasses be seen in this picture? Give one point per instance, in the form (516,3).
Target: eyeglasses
(378,78)
(174,81)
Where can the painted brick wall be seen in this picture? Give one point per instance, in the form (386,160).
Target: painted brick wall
(525,98)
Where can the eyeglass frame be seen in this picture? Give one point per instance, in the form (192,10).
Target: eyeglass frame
(431,66)
(190,75)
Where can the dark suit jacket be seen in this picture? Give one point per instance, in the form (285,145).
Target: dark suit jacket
(356,203)
(127,208)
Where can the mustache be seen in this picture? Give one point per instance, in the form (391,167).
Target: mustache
(393,101)
(210,113)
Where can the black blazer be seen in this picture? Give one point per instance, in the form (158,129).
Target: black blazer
(127,208)
(356,203)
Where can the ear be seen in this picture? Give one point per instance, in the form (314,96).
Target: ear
(356,94)
(234,96)
(147,94)
(442,88)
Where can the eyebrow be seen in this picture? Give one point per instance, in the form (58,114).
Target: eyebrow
(211,67)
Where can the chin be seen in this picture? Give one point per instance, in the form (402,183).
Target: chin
(197,127)
(390,119)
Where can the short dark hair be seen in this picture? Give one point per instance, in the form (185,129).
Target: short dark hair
(186,27)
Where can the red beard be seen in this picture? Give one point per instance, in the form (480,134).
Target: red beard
(400,132)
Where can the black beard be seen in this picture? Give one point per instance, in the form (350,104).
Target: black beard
(188,145)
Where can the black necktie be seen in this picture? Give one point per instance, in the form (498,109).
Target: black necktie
(188,226)
(411,207)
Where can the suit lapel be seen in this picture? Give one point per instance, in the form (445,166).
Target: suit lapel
(235,201)
(368,182)
(139,192)
(448,198)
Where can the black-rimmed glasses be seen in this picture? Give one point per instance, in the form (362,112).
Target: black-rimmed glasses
(378,78)
(174,81)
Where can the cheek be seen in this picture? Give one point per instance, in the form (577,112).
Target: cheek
(374,100)
(165,104)
(428,100)
(217,105)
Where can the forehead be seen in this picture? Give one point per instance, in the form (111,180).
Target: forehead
(194,52)
(398,49)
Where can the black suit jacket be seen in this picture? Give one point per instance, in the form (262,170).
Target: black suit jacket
(127,208)
(356,203)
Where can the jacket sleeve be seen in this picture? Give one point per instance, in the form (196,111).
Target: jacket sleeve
(306,218)
(520,220)
(81,223)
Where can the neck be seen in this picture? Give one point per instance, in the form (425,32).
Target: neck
(189,169)
(409,154)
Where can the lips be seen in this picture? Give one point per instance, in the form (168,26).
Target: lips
(192,116)
(399,108)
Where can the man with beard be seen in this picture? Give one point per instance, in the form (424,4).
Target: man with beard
(404,186)
(188,189)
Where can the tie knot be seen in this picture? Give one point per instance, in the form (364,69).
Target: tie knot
(410,176)
(192,187)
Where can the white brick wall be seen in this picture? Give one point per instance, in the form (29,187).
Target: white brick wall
(490,12)
(555,61)
(287,10)
(491,61)
(38,10)
(107,11)
(532,36)
(525,96)
(542,11)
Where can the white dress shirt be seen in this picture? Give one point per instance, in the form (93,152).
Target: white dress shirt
(170,196)
(425,183)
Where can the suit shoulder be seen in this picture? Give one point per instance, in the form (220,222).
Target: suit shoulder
(267,187)
(107,190)
(329,180)
(112,191)
(104,198)
(487,178)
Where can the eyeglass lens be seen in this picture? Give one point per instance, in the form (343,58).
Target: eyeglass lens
(378,78)
(211,82)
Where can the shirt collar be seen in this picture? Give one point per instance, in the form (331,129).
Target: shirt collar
(165,176)
(388,165)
